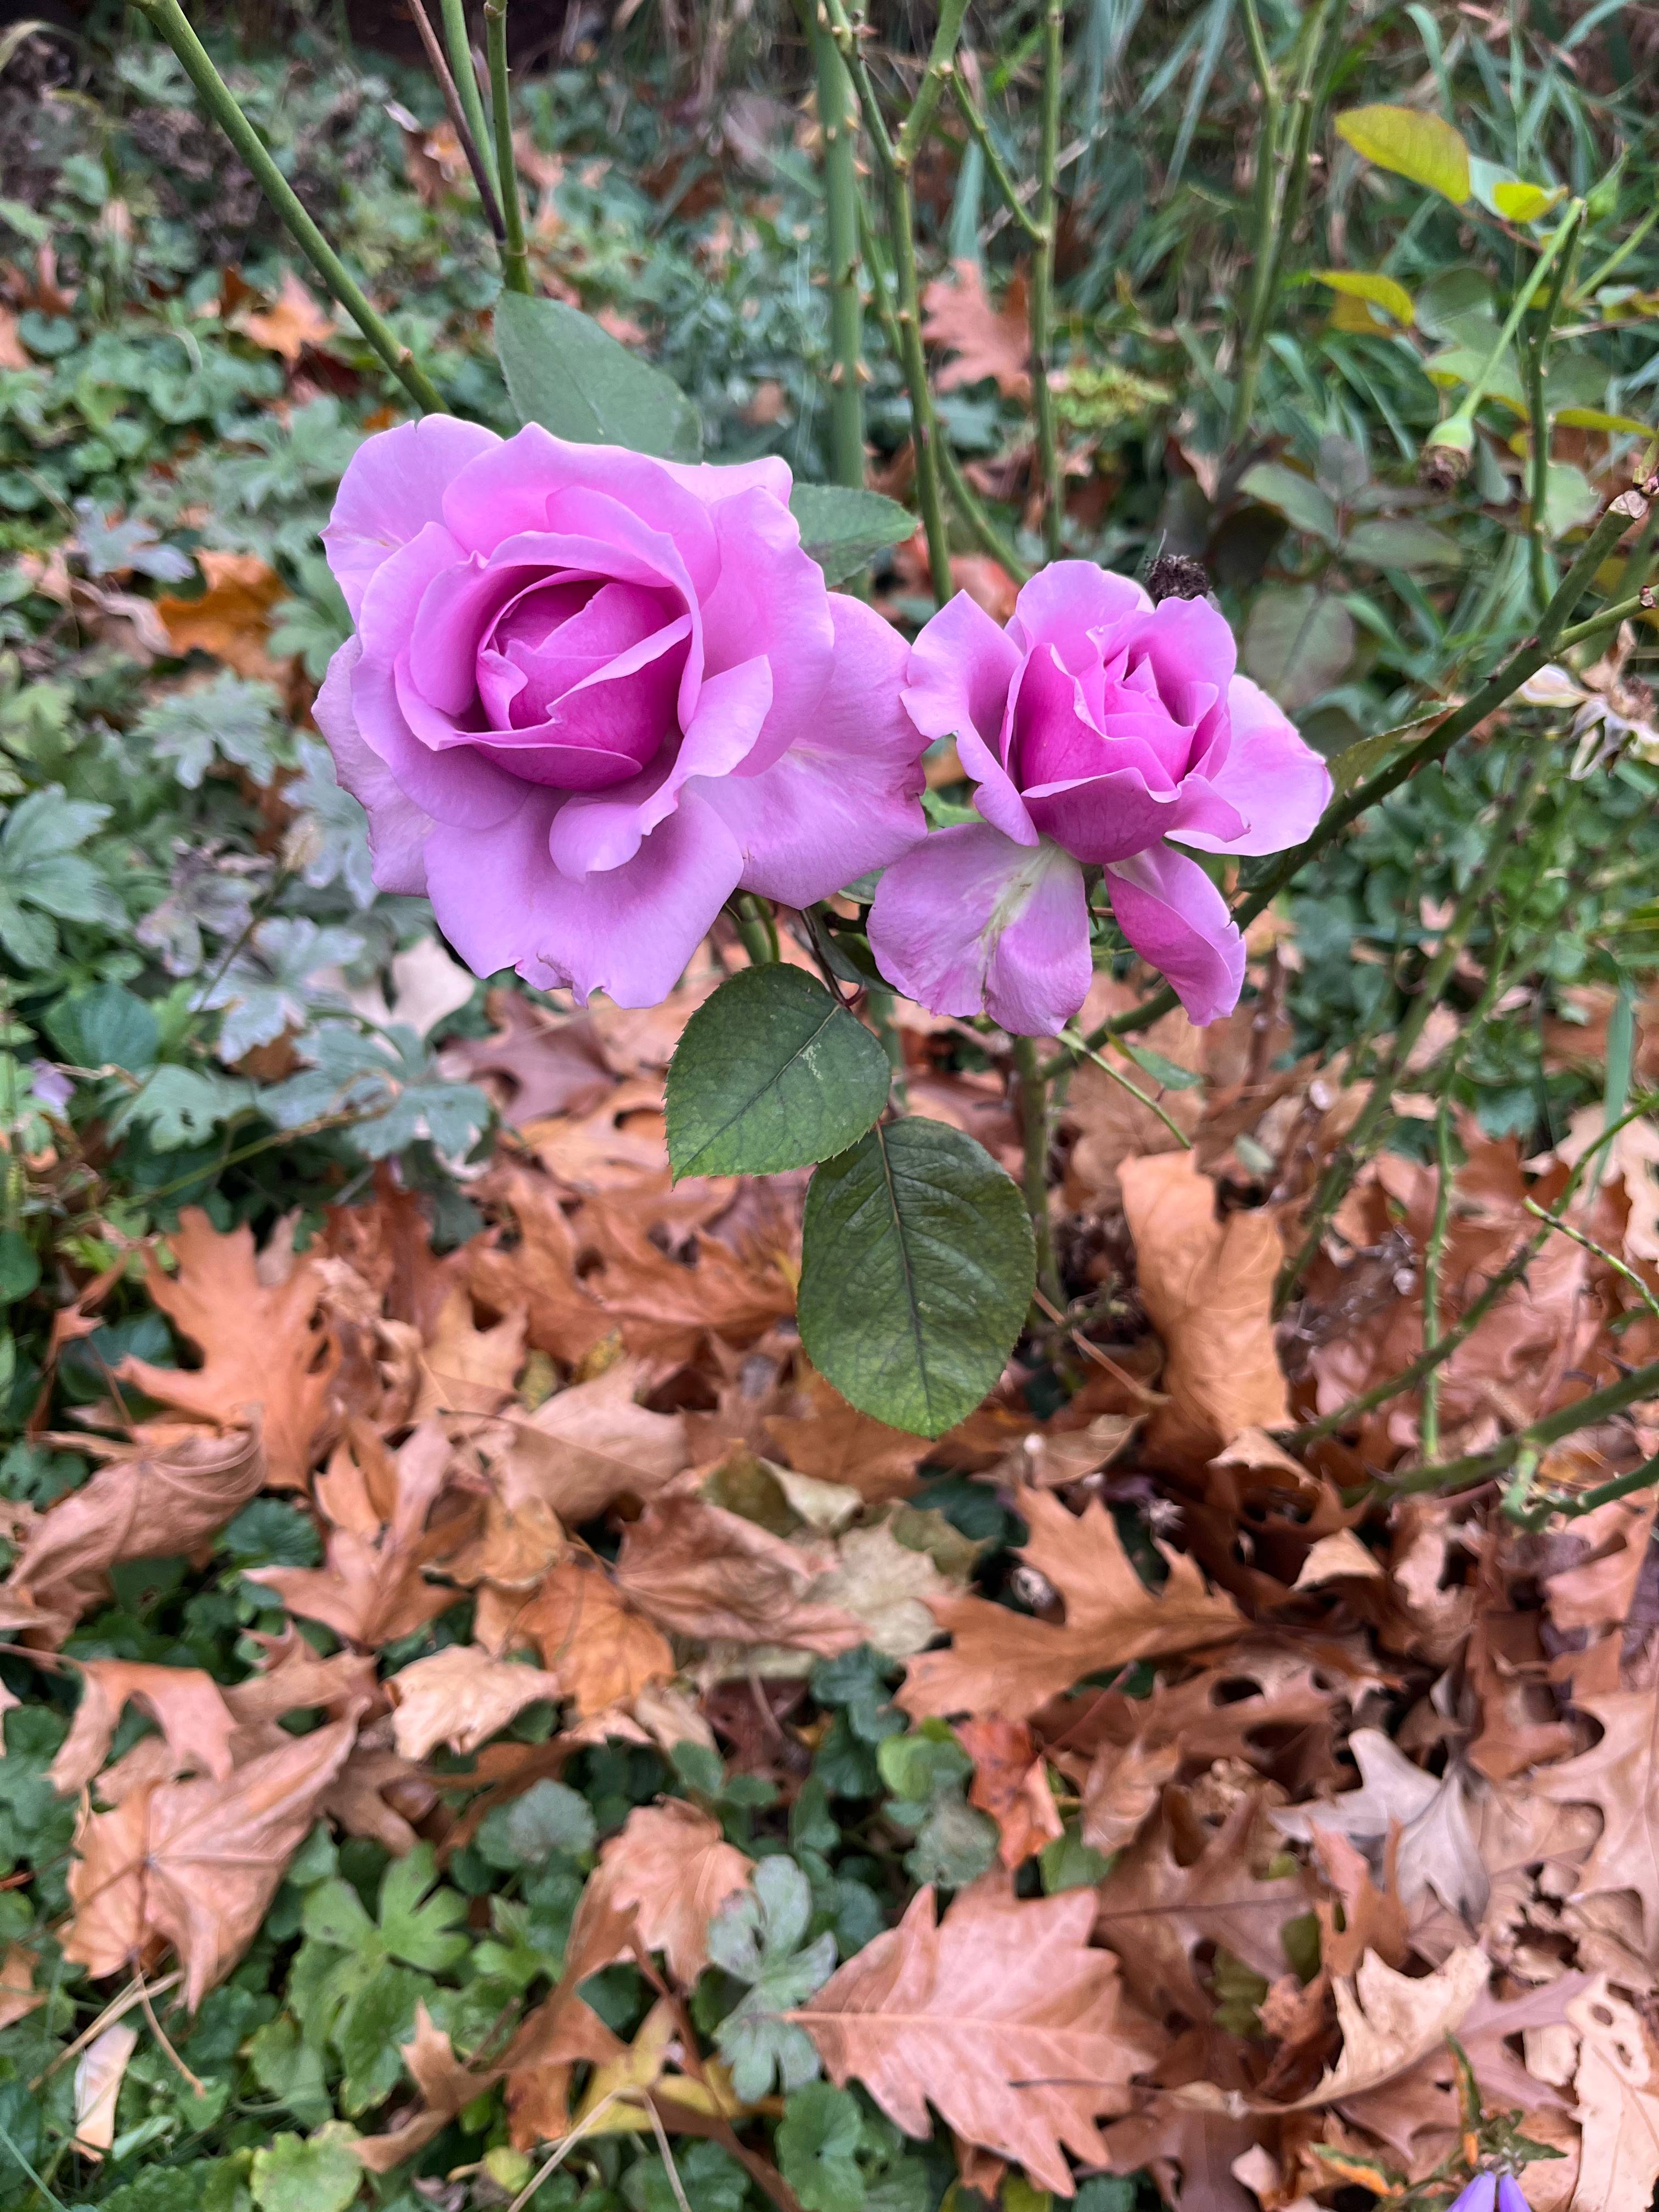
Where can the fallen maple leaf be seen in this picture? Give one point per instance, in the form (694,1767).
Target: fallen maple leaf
(536,1270)
(703,1573)
(157,1504)
(603,1651)
(266,1350)
(590,1445)
(232,619)
(984,340)
(293,322)
(197,1864)
(1010,1663)
(461,1695)
(666,1307)
(837,1444)
(186,1703)
(371,1588)
(1002,2017)
(672,1863)
(447,2085)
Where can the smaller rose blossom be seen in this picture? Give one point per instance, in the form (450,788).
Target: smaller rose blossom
(1103,733)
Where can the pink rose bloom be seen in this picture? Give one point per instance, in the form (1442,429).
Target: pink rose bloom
(591,695)
(1103,733)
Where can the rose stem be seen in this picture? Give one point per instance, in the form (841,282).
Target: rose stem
(901,224)
(1033,1102)
(466,70)
(1043,279)
(841,195)
(458,118)
(995,167)
(515,259)
(1543,568)
(170,20)
(1553,635)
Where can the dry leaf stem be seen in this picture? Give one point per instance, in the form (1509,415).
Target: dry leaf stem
(170,20)
(460,122)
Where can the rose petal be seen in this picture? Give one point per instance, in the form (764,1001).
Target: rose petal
(1178,921)
(393,486)
(1273,779)
(397,827)
(969,922)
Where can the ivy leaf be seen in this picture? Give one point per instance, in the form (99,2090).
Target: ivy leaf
(818,2143)
(230,719)
(757,1936)
(771,1072)
(315,2174)
(916,1271)
(41,870)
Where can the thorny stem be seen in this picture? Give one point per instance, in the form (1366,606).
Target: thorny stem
(1434,1252)
(901,224)
(1043,279)
(840,196)
(1454,430)
(1480,1466)
(515,256)
(1368,1126)
(1512,1271)
(1080,1044)
(1261,256)
(466,74)
(1586,1501)
(1034,1137)
(170,20)
(1538,412)
(1586,1243)
(995,167)
(463,129)
(940,60)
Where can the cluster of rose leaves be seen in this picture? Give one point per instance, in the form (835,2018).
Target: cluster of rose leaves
(1258,1973)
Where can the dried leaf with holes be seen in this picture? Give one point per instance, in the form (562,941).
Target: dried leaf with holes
(185,1703)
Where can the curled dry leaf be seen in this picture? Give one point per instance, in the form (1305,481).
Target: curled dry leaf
(1011,1782)
(1390,2019)
(154,1505)
(267,1352)
(462,1697)
(1011,1664)
(197,1864)
(1207,1285)
(701,1571)
(1438,1848)
(231,620)
(673,1865)
(372,1587)
(185,1703)
(18,1995)
(1001,2017)
(447,2085)
(98,2077)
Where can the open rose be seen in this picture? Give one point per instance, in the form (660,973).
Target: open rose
(1097,726)
(591,695)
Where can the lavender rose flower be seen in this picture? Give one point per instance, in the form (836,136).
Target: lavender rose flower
(590,694)
(1103,733)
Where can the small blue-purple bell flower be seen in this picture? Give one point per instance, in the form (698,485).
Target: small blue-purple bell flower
(1490,2192)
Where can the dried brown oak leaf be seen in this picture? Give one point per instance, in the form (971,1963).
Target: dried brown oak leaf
(186,1704)
(466,1373)
(703,1573)
(1620,1776)
(590,1445)
(197,1864)
(154,1505)
(371,1587)
(1390,2020)
(1207,1286)
(672,1863)
(1618,2089)
(267,1352)
(604,1652)
(1011,1663)
(982,340)
(461,1695)
(1001,2017)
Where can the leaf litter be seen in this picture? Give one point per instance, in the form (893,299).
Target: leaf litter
(1204,1785)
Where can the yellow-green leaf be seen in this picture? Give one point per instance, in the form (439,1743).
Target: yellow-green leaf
(1524,203)
(1592,418)
(1424,148)
(1369,285)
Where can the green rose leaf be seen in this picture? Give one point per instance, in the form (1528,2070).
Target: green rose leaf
(565,373)
(916,1271)
(772,1072)
(843,528)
